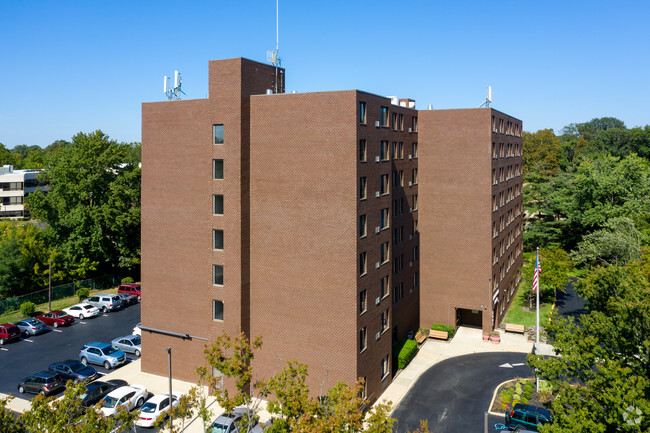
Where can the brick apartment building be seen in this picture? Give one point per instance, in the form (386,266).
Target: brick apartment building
(295,217)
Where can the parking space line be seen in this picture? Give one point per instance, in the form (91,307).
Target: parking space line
(2,348)
(82,323)
(28,340)
(56,330)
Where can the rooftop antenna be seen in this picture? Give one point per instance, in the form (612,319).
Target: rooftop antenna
(272,56)
(488,99)
(173,94)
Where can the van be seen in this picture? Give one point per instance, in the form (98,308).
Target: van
(105,302)
(527,416)
(131,289)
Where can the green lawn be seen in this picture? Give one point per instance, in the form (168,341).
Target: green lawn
(522,316)
(56,305)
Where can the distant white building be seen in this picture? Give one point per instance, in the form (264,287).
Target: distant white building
(15,185)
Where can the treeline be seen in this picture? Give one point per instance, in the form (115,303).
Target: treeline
(587,203)
(87,223)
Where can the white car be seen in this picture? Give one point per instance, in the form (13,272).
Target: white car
(81,311)
(137,330)
(129,397)
(154,408)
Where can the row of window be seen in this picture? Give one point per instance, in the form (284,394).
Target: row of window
(11,186)
(505,173)
(384,183)
(6,201)
(507,127)
(505,150)
(384,150)
(397,118)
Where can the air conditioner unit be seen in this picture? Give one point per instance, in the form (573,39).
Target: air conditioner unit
(377,265)
(410,210)
(377,229)
(377,124)
(377,159)
(377,194)
(377,301)
(410,156)
(377,336)
(410,129)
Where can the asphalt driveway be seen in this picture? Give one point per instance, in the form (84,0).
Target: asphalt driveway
(454,394)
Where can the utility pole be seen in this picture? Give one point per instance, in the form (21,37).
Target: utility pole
(49,291)
(171,418)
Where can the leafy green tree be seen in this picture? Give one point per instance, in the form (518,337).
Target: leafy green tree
(590,130)
(8,422)
(93,206)
(555,265)
(541,153)
(6,158)
(602,372)
(618,242)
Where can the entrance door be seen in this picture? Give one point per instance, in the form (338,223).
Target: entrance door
(470,317)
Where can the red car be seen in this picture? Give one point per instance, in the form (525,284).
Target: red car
(9,332)
(131,289)
(56,318)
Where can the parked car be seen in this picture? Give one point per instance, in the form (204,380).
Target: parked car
(155,407)
(105,302)
(56,318)
(102,354)
(9,332)
(228,423)
(137,330)
(31,326)
(129,397)
(528,417)
(128,344)
(97,390)
(82,311)
(132,289)
(127,299)
(45,382)
(71,369)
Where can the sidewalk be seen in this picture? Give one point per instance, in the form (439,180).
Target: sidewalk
(466,341)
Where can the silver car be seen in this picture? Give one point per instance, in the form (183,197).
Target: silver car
(31,326)
(129,344)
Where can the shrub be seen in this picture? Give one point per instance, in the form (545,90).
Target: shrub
(405,350)
(127,280)
(27,308)
(83,293)
(440,327)
(528,387)
(528,395)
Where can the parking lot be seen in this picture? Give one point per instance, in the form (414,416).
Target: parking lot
(35,353)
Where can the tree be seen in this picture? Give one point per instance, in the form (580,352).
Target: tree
(541,153)
(555,264)
(601,374)
(93,206)
(8,422)
(6,158)
(618,242)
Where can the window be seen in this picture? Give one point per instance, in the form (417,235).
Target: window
(401,122)
(416,280)
(217,132)
(383,289)
(363,151)
(494,151)
(395,154)
(217,239)
(363,263)
(414,175)
(218,204)
(217,310)
(415,202)
(398,264)
(395,121)
(384,252)
(384,367)
(400,147)
(384,150)
(383,184)
(384,116)
(384,321)
(414,150)
(217,165)
(416,253)
(363,224)
(414,124)
(363,343)
(415,226)
(218,274)
(362,112)
(383,218)
(363,301)
(362,188)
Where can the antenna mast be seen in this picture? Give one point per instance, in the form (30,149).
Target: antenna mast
(272,56)
(488,99)
(173,94)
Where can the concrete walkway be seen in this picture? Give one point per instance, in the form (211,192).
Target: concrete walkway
(466,341)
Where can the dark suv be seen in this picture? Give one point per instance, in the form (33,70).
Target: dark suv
(9,332)
(527,416)
(45,382)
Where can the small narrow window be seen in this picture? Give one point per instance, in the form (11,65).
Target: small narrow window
(217,132)
(362,188)
(363,151)
(384,367)
(362,225)
(362,112)
(217,237)
(363,301)
(414,124)
(363,265)
(414,150)
(218,274)
(217,168)
(218,204)
(362,339)
(384,184)
(384,152)
(384,116)
(217,310)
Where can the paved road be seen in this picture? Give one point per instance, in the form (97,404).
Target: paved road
(454,394)
(569,303)
(28,356)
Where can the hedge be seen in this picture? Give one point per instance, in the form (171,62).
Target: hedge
(405,350)
(440,327)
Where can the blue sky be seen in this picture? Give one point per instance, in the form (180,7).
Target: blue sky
(70,66)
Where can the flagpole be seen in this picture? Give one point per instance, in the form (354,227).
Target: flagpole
(537,291)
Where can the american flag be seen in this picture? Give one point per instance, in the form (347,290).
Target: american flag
(538,270)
